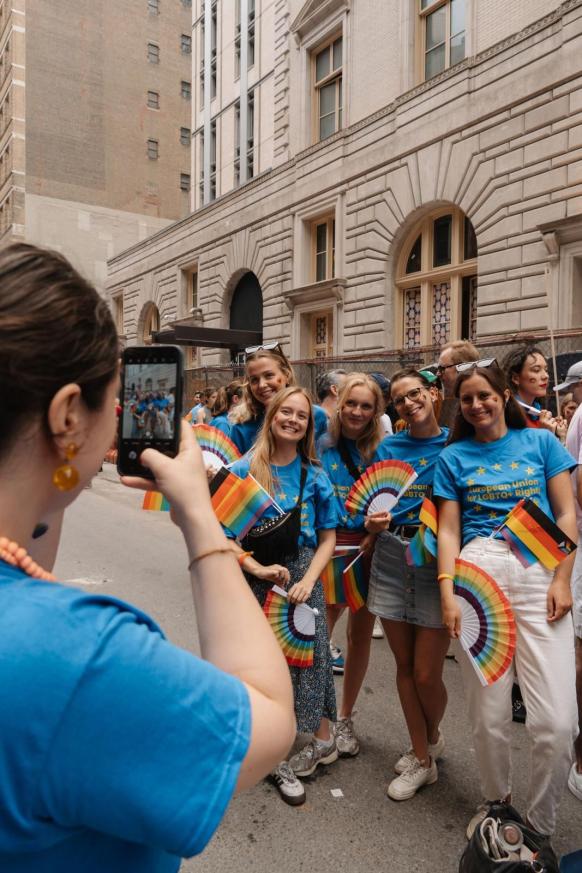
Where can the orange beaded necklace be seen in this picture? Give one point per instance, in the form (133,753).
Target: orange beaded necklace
(15,555)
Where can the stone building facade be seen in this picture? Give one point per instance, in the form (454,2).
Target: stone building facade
(95,133)
(417,177)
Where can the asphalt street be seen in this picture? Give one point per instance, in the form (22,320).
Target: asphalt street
(109,544)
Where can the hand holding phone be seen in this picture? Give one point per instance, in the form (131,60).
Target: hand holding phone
(151,398)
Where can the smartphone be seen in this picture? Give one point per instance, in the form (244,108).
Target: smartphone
(152,379)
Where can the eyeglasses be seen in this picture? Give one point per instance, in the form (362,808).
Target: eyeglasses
(471,365)
(266,347)
(440,368)
(411,395)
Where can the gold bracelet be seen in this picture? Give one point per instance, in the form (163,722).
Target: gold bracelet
(221,551)
(442,576)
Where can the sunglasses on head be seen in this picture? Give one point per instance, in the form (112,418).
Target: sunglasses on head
(472,365)
(266,347)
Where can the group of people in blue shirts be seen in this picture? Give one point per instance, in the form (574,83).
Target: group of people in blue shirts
(476,472)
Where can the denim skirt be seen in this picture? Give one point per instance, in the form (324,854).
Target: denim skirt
(400,592)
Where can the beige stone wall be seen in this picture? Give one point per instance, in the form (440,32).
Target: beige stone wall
(499,136)
(87,235)
(495,20)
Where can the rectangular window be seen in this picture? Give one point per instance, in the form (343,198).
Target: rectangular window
(119,314)
(154,7)
(186,44)
(213,43)
(443,34)
(442,240)
(201,180)
(187,4)
(329,88)
(251,136)
(469,307)
(321,335)
(323,245)
(202,55)
(237,143)
(441,313)
(412,317)
(153,149)
(237,39)
(186,90)
(251,34)
(184,181)
(153,53)
(153,100)
(213,160)
(185,136)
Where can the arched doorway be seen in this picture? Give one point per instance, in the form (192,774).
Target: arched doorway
(436,280)
(246,306)
(150,320)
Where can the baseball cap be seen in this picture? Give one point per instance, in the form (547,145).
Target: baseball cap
(381,381)
(573,375)
(429,376)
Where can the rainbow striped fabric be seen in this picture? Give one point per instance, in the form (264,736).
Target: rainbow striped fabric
(344,580)
(154,501)
(238,503)
(532,536)
(422,548)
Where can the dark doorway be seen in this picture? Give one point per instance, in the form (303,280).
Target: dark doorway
(246,308)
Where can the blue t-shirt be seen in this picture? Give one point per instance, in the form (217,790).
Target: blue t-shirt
(488,479)
(318,506)
(341,479)
(119,752)
(222,423)
(422,454)
(244,435)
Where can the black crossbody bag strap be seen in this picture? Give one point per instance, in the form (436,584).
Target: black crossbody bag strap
(347,459)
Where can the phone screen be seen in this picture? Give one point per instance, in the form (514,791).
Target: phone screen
(151,404)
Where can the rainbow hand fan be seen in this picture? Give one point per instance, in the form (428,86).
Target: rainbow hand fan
(294,626)
(487,622)
(155,502)
(217,449)
(380,488)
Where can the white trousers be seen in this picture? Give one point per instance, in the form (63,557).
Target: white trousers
(545,666)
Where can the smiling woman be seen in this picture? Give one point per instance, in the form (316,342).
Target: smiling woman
(283,462)
(481,475)
(406,598)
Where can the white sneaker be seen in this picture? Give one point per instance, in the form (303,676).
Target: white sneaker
(378,631)
(435,751)
(407,784)
(305,762)
(288,785)
(345,738)
(575,782)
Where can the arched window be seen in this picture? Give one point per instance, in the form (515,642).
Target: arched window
(246,307)
(436,279)
(151,323)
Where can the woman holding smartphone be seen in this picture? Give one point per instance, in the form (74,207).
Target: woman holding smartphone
(405,597)
(493,461)
(267,370)
(283,462)
(100,712)
(356,440)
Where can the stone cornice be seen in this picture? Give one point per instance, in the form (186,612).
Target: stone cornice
(318,292)
(314,12)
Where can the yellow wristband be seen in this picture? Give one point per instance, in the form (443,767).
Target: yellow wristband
(442,576)
(242,556)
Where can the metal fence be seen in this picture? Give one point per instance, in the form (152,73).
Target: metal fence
(567,345)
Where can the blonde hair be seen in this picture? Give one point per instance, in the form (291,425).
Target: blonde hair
(249,407)
(264,448)
(372,435)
